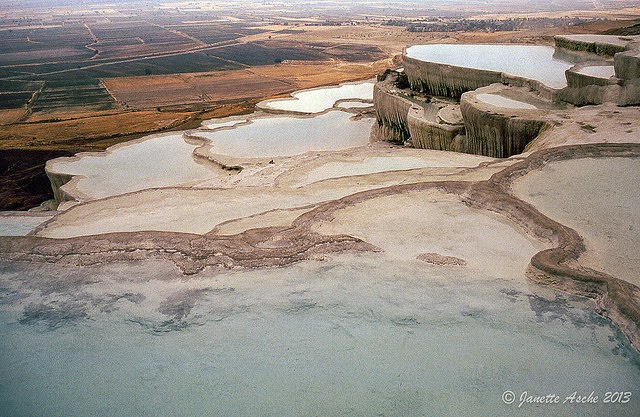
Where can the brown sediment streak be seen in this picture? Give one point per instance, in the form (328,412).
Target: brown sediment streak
(557,267)
(267,247)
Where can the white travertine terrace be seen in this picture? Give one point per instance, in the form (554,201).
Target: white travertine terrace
(621,41)
(170,160)
(601,208)
(376,260)
(538,83)
(151,162)
(353,104)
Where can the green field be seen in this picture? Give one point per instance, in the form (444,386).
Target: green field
(89,97)
(14,100)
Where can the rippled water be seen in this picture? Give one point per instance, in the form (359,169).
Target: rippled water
(358,335)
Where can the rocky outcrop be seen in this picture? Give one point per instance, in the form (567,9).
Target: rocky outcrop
(57,181)
(429,133)
(452,81)
(627,64)
(578,79)
(622,89)
(392,107)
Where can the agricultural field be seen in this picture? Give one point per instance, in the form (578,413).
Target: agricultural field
(63,67)
(215,33)
(275,51)
(54,96)
(47,44)
(137,38)
(238,85)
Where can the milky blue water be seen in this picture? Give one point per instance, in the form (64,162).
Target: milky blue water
(356,335)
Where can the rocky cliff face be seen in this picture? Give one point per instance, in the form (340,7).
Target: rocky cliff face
(479,130)
(588,43)
(57,181)
(627,64)
(427,132)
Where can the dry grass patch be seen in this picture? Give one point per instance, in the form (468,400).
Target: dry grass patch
(246,84)
(11,116)
(81,133)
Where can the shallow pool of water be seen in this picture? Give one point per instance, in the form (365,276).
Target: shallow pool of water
(317,100)
(599,71)
(21,223)
(149,163)
(500,101)
(287,135)
(528,61)
(358,335)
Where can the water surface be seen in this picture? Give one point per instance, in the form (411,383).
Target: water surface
(500,101)
(160,161)
(599,71)
(527,61)
(358,335)
(287,135)
(317,100)
(21,223)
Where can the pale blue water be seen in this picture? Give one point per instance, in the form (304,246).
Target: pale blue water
(358,335)
(21,223)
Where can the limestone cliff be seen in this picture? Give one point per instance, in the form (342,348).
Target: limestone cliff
(403,114)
